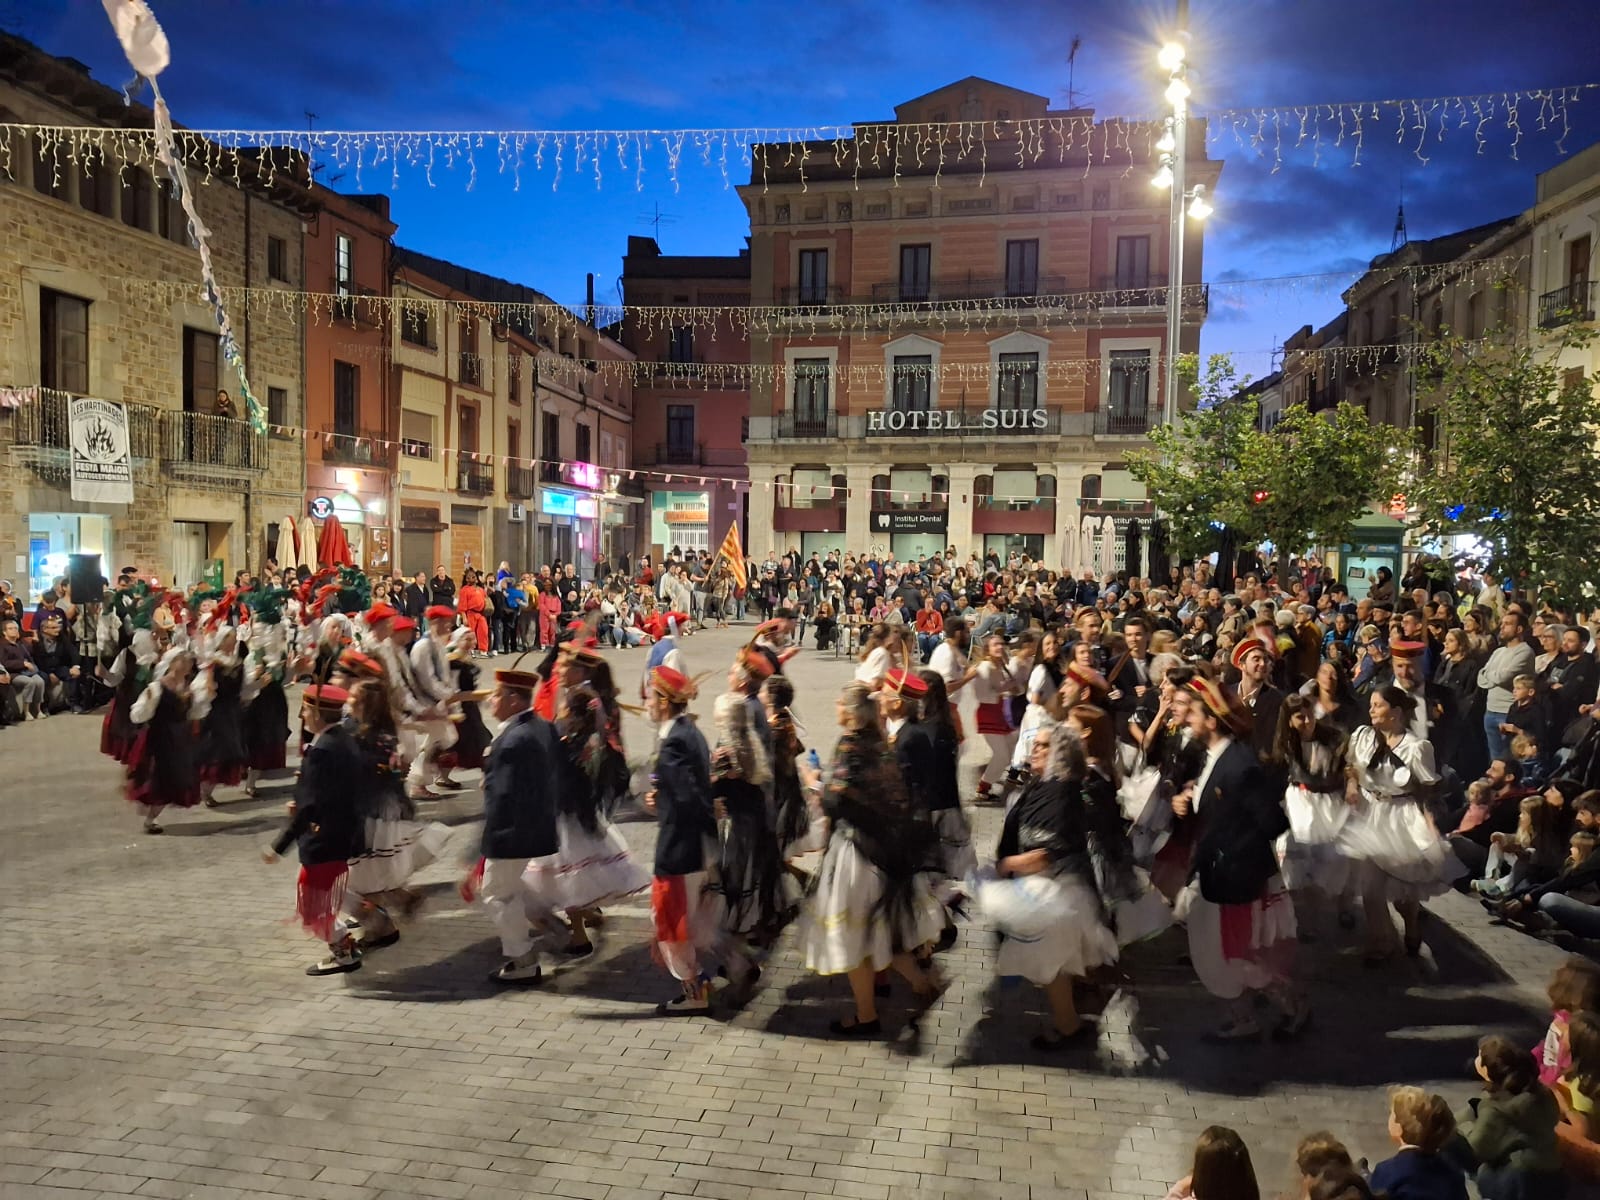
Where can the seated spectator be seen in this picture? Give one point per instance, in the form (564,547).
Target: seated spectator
(1221,1170)
(1506,1138)
(1579,1087)
(1496,812)
(1317,1154)
(55,653)
(826,626)
(1532,767)
(1516,859)
(1421,1125)
(21,673)
(1342,1183)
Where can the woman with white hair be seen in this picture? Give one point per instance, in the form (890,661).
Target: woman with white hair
(1040,893)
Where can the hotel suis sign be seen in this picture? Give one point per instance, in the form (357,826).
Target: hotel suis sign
(910,522)
(985,421)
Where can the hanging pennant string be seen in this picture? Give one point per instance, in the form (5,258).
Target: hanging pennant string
(850,153)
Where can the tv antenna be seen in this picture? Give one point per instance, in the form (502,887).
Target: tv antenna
(655,218)
(311,127)
(1072,63)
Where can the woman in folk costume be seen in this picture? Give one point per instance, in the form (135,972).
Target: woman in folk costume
(916,712)
(266,714)
(472,735)
(394,846)
(873,905)
(682,904)
(593,865)
(325,819)
(1040,894)
(161,767)
(1239,917)
(798,823)
(1161,841)
(749,871)
(1397,856)
(472,602)
(129,673)
(1311,753)
(220,754)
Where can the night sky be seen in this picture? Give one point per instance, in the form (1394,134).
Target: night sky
(361,64)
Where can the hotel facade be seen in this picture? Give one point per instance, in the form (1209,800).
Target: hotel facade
(959,354)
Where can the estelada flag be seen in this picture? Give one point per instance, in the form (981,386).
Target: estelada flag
(734,554)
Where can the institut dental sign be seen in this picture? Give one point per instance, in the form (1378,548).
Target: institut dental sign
(988,420)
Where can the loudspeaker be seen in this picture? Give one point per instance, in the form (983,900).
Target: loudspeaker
(83,576)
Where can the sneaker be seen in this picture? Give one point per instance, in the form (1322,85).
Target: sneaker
(685,1005)
(340,962)
(524,970)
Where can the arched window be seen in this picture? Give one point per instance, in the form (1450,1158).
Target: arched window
(1090,489)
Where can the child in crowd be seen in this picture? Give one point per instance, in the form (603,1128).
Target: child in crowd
(1575,987)
(1531,768)
(1221,1171)
(1317,1154)
(1511,854)
(1508,1135)
(1421,1125)
(1579,1087)
(1527,714)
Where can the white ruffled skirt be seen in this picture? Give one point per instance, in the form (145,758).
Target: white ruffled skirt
(1309,853)
(396,850)
(1051,925)
(589,869)
(1392,850)
(842,928)
(1263,939)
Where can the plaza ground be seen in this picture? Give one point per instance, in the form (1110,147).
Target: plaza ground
(158,1036)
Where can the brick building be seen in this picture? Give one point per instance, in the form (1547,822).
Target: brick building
(997,429)
(101,299)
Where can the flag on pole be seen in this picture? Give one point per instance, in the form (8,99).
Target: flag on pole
(734,553)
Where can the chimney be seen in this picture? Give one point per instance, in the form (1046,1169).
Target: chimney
(588,305)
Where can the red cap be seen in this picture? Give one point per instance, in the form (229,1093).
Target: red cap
(755,663)
(439,612)
(907,683)
(354,662)
(520,681)
(325,697)
(1245,646)
(1406,649)
(1221,702)
(381,612)
(401,624)
(674,685)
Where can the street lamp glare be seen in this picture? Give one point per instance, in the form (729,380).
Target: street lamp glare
(1177,92)
(1163,177)
(1167,143)
(1199,206)
(1171,56)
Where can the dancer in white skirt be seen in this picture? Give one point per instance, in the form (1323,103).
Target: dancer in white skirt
(1310,751)
(1239,916)
(873,905)
(1040,894)
(1399,857)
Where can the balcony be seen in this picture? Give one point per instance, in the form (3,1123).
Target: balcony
(1005,291)
(679,454)
(41,434)
(1124,421)
(551,472)
(355,448)
(1575,302)
(357,306)
(965,422)
(1141,291)
(519,483)
(206,446)
(797,427)
(1002,504)
(474,476)
(812,295)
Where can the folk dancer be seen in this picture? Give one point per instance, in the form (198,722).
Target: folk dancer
(161,765)
(435,682)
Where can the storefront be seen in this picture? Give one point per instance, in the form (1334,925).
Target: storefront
(568,527)
(680,520)
(54,537)
(911,534)
(1377,540)
(1004,545)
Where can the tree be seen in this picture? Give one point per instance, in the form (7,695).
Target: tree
(1515,464)
(1191,471)
(1303,484)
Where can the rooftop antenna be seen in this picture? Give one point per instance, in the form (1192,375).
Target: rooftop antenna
(1072,63)
(1400,237)
(655,218)
(311,158)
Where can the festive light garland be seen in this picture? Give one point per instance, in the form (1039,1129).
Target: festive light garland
(824,153)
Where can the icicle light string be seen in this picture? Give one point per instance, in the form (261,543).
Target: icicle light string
(820,153)
(1069,310)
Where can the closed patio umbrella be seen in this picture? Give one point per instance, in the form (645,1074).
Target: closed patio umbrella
(333,549)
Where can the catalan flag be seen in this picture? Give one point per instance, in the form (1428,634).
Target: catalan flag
(733,552)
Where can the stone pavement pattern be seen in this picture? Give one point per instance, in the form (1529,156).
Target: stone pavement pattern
(158,1037)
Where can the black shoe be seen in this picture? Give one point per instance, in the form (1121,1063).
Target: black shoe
(381,941)
(856,1029)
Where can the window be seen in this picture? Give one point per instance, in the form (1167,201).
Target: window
(915,263)
(583,451)
(680,428)
(416,325)
(199,371)
(278,259)
(416,434)
(471,367)
(346,397)
(813,276)
(1129,398)
(680,346)
(171,221)
(1477,311)
(96,178)
(138,198)
(514,439)
(50,172)
(467,429)
(63,342)
(744,429)
(550,446)
(1019,381)
(1133,262)
(1578,262)
(810,391)
(277,406)
(913,383)
(344,265)
(1022,267)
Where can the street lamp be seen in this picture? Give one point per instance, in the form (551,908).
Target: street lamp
(1173,58)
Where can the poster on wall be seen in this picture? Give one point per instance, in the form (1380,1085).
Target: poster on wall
(102,464)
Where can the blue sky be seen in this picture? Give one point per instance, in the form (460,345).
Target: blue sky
(365,64)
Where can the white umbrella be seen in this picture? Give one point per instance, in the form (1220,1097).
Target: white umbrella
(288,560)
(1108,546)
(1086,545)
(1069,551)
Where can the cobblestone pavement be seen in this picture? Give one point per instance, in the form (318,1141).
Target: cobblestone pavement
(158,1036)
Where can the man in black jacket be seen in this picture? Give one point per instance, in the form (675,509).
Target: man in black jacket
(416,597)
(325,823)
(681,800)
(527,769)
(1571,680)
(441,588)
(1240,919)
(1254,660)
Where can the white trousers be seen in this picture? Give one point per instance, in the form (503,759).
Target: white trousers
(1001,746)
(506,898)
(434,736)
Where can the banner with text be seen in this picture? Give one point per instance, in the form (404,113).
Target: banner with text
(102,463)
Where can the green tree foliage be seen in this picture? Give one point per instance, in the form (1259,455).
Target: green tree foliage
(1516,464)
(1304,484)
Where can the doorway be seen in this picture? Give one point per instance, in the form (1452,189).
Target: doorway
(190,550)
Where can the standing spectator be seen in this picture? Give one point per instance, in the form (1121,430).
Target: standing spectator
(1571,679)
(1462,738)
(416,597)
(1511,658)
(10,605)
(511,624)
(441,588)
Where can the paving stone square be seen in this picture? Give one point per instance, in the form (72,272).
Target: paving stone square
(159,1038)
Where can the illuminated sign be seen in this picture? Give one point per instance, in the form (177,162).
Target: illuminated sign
(558,504)
(584,475)
(586,507)
(321,507)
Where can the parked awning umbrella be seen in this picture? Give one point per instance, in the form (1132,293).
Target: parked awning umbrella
(1108,546)
(333,548)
